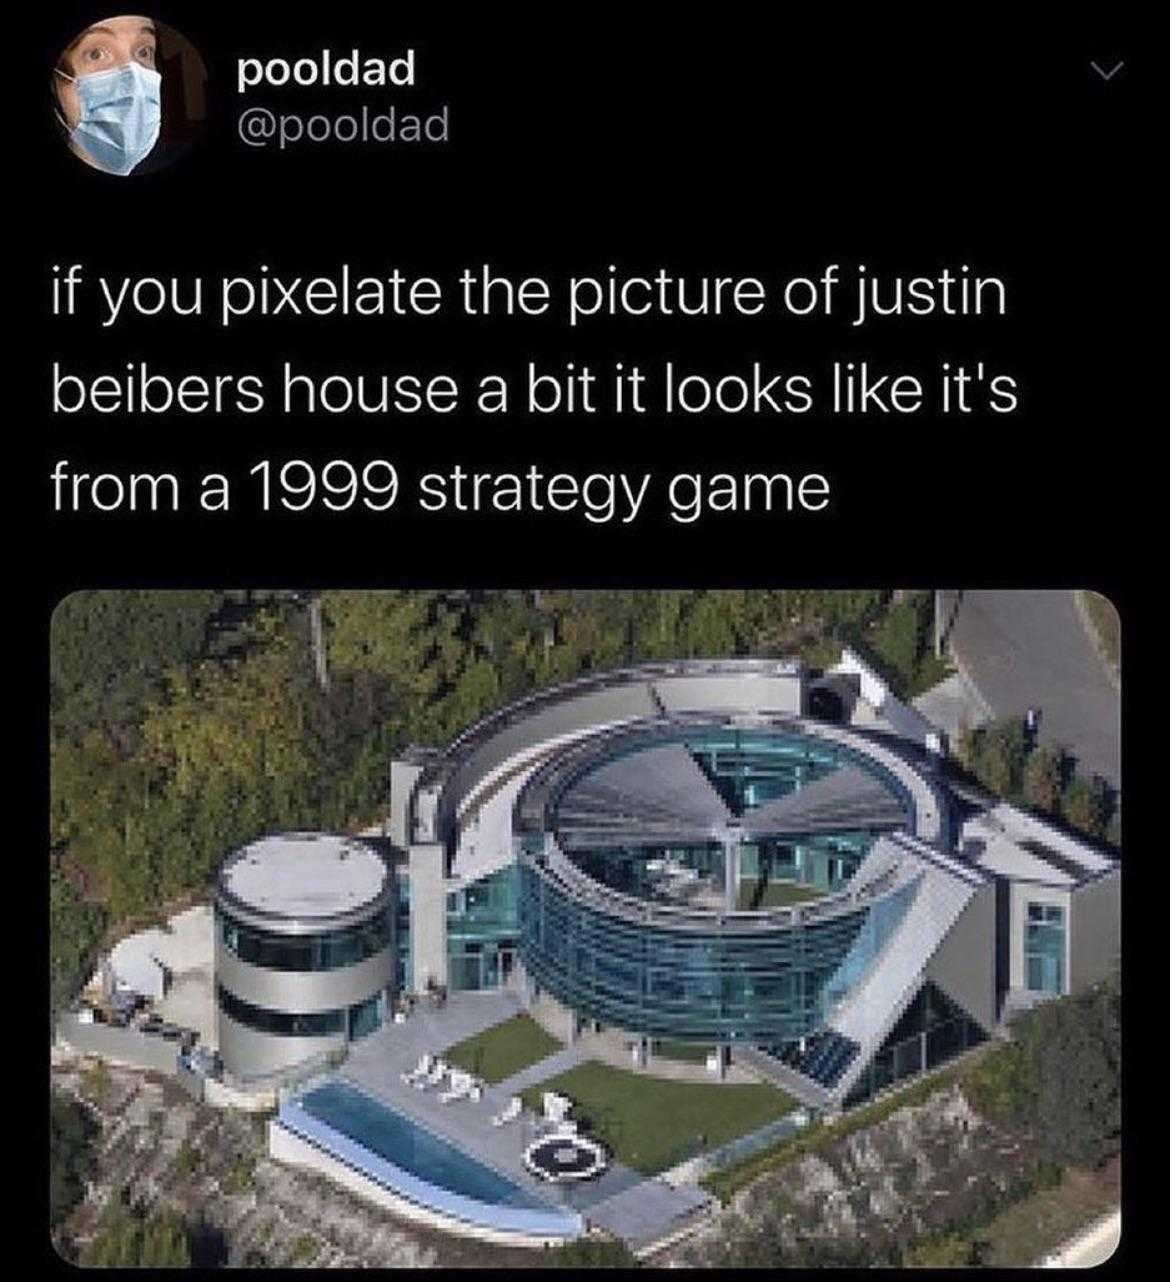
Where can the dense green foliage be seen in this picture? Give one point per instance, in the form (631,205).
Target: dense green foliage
(110,652)
(72,1130)
(184,724)
(1043,779)
(74,930)
(1060,1076)
(1040,776)
(1086,805)
(902,641)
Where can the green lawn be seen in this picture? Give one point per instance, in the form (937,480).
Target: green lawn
(683,1052)
(774,894)
(651,1124)
(503,1049)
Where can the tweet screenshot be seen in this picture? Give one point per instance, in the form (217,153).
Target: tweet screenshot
(579,565)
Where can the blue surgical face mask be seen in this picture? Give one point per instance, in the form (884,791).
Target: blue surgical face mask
(121,111)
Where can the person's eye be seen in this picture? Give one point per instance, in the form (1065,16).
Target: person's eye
(145,54)
(96,53)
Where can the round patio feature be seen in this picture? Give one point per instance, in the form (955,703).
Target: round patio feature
(559,1158)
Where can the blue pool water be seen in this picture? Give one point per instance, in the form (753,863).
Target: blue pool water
(395,1138)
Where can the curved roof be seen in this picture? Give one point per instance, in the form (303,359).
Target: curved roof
(305,879)
(634,772)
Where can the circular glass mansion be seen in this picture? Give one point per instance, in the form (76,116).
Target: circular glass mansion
(700,880)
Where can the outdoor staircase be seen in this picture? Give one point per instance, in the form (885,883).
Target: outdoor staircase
(825,1057)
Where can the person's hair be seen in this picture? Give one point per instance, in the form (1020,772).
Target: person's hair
(62,67)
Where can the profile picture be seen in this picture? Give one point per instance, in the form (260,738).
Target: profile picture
(129,95)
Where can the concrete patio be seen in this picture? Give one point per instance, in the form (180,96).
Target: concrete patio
(634,1207)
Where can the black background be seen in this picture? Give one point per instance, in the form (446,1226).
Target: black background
(705,147)
(706,141)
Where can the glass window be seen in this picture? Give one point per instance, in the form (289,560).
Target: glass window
(281,1023)
(365,1017)
(327,951)
(1044,941)
(482,922)
(765,987)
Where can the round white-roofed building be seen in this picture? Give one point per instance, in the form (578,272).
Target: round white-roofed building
(304,949)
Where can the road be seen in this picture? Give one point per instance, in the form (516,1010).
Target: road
(1032,649)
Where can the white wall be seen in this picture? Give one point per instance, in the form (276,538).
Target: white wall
(428,914)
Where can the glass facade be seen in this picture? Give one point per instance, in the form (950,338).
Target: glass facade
(1044,947)
(481,931)
(365,1017)
(355,1021)
(281,1023)
(763,986)
(752,767)
(328,951)
(931,1031)
(405,969)
(824,862)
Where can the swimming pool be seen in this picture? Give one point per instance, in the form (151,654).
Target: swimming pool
(359,1134)
(408,1146)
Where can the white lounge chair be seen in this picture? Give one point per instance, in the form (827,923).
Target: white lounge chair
(439,1070)
(556,1107)
(421,1069)
(510,1112)
(461,1087)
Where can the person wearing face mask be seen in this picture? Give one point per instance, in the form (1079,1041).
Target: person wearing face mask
(109,94)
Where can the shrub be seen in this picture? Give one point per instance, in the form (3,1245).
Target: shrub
(72,1130)
(1086,806)
(1044,778)
(999,757)
(1060,1077)
(591,1253)
(940,1251)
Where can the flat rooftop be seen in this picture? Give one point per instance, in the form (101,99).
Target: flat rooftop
(304,874)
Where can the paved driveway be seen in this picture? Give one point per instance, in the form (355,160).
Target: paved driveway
(1031,649)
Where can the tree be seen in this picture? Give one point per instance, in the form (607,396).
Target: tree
(1059,1078)
(391,635)
(999,759)
(1086,806)
(898,638)
(72,1130)
(1044,778)
(1072,1050)
(74,930)
(228,752)
(109,651)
